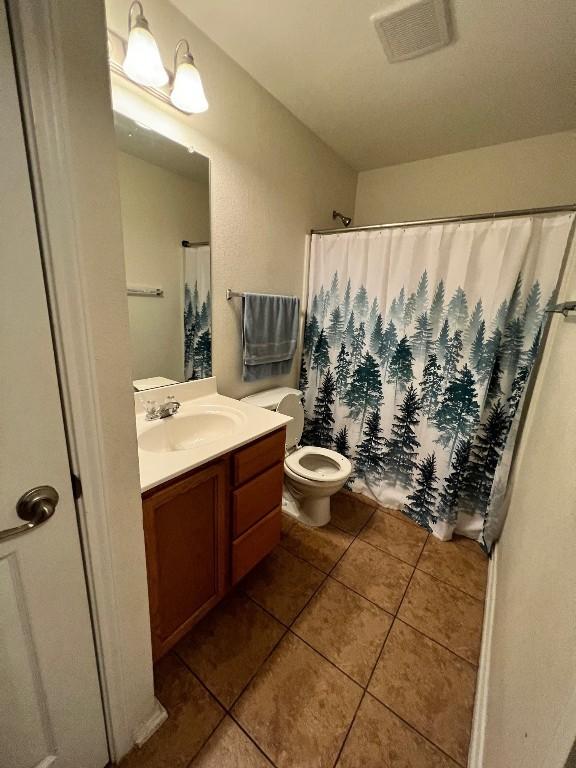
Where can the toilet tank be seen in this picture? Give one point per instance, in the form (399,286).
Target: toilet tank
(270,398)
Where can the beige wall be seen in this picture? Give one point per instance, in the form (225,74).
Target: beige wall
(272,179)
(159,210)
(519,174)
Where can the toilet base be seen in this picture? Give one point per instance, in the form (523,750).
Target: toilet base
(311,511)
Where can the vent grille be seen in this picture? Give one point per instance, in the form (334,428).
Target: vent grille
(409,29)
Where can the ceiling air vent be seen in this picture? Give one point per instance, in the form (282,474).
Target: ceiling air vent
(410,28)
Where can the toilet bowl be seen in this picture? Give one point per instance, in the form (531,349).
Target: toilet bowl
(311,474)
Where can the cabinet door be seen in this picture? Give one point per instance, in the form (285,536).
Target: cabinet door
(186,535)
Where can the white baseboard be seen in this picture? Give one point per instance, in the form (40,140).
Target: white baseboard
(477,740)
(150,726)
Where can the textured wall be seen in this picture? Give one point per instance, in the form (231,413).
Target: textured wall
(159,210)
(519,174)
(272,179)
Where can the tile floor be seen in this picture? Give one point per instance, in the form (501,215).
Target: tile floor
(355,645)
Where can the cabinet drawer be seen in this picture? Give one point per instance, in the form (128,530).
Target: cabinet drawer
(255,544)
(254,459)
(256,498)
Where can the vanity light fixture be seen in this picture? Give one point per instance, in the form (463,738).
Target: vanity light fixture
(143,63)
(187,91)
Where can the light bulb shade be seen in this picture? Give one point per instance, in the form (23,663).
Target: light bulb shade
(143,62)
(188,91)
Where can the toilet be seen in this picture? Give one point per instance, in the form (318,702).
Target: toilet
(311,474)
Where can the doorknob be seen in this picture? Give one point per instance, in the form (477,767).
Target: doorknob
(36,506)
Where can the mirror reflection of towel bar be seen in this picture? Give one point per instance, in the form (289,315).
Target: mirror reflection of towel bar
(154,292)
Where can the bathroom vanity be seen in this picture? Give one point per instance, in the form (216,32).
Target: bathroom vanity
(211,478)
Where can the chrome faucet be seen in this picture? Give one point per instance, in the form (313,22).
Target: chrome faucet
(155,410)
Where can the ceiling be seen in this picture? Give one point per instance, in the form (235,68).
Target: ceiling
(139,140)
(509,74)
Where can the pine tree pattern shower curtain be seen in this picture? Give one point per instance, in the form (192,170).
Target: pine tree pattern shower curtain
(197,313)
(418,347)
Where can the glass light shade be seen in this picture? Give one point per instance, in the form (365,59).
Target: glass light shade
(143,63)
(188,91)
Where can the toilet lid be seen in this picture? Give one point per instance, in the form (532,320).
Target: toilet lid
(290,405)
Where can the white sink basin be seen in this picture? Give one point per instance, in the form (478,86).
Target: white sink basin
(193,425)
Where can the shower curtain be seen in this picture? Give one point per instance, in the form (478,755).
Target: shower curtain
(197,313)
(418,347)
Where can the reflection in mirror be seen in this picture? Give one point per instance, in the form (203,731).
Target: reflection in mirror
(165,202)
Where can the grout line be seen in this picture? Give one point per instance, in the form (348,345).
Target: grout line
(345,739)
(228,710)
(426,738)
(288,629)
(368,600)
(332,663)
(302,559)
(266,610)
(395,618)
(386,552)
(211,695)
(451,586)
(212,732)
(252,739)
(259,667)
(402,620)
(460,589)
(415,566)
(203,684)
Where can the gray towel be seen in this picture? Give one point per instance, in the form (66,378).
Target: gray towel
(269,334)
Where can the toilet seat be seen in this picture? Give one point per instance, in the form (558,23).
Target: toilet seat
(321,465)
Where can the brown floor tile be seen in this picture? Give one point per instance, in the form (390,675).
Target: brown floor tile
(229,747)
(379,739)
(429,687)
(374,574)
(283,584)
(321,547)
(394,536)
(349,512)
(456,564)
(444,614)
(345,628)
(229,645)
(287,523)
(192,716)
(470,544)
(298,707)
(399,515)
(363,497)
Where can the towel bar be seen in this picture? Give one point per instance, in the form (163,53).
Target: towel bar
(565,308)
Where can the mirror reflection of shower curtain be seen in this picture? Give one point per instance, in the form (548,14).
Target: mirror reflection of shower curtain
(418,347)
(197,313)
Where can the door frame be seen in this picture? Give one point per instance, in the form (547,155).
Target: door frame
(131,712)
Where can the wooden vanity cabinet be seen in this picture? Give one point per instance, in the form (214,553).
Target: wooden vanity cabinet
(207,529)
(186,534)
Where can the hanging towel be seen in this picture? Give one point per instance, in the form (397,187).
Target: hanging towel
(269,334)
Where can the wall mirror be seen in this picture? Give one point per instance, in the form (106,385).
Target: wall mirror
(165,202)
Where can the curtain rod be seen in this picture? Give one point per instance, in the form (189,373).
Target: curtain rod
(449,219)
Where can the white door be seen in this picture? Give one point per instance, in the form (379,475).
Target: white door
(50,703)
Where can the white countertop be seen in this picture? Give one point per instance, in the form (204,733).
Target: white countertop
(158,466)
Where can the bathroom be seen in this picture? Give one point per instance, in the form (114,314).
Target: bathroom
(221,604)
